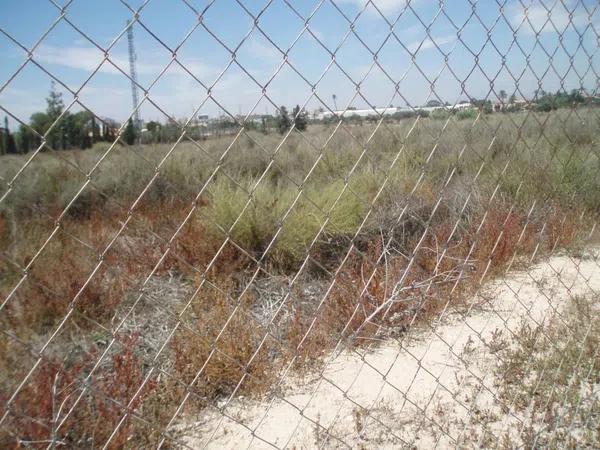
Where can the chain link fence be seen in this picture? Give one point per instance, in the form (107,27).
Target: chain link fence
(342,273)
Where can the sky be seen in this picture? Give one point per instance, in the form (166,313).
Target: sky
(282,53)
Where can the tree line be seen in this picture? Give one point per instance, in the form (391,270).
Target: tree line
(62,129)
(81,130)
(66,130)
(157,132)
(298,119)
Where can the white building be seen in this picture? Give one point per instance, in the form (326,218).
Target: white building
(375,112)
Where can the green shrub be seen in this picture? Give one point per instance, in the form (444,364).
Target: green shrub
(464,114)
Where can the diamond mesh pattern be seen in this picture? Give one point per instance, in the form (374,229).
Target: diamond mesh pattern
(368,280)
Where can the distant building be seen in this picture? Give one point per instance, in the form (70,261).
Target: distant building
(458,106)
(108,128)
(376,112)
(515,104)
(357,112)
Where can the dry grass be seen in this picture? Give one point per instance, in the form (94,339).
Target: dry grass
(549,375)
(453,232)
(221,339)
(54,389)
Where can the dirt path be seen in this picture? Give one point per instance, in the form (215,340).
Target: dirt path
(410,393)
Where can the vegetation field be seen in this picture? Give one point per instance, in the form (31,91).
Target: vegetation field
(155,280)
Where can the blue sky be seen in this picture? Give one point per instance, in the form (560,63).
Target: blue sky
(411,58)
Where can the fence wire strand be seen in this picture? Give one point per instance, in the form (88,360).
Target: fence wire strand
(371,276)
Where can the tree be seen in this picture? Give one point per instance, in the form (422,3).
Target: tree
(25,138)
(95,130)
(154,128)
(79,129)
(12,147)
(54,101)
(283,120)
(8,141)
(512,99)
(503,95)
(4,141)
(576,97)
(483,104)
(263,125)
(40,122)
(54,109)
(433,103)
(539,93)
(109,130)
(299,118)
(62,129)
(130,134)
(545,102)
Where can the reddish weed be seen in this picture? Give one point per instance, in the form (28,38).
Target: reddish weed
(44,401)
(227,361)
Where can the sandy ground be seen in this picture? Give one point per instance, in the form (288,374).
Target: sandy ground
(406,393)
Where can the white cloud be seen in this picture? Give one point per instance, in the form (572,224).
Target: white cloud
(385,6)
(262,51)
(22,103)
(176,96)
(428,43)
(533,17)
(87,58)
(318,34)
(80,58)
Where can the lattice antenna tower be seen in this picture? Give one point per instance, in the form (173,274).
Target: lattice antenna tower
(133,74)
